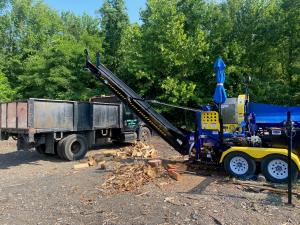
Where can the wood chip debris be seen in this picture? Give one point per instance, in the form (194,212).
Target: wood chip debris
(130,177)
(173,200)
(260,187)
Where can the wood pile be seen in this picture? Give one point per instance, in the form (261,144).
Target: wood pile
(130,177)
(139,150)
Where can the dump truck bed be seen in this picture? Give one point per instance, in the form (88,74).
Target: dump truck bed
(43,115)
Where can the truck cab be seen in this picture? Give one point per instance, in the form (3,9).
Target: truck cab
(133,127)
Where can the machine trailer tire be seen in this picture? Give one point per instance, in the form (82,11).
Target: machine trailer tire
(74,147)
(275,169)
(145,135)
(239,165)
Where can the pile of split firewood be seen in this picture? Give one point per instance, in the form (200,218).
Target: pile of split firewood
(139,150)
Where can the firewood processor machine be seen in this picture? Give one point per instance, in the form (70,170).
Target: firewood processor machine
(254,136)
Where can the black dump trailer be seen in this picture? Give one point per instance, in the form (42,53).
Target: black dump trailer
(69,128)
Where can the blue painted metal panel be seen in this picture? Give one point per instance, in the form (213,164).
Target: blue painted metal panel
(273,115)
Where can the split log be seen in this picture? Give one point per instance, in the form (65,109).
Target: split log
(155,163)
(81,166)
(102,165)
(173,174)
(92,161)
(108,152)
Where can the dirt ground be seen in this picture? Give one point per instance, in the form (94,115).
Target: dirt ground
(37,189)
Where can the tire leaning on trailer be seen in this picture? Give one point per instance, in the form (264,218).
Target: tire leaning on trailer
(239,165)
(275,168)
(73,147)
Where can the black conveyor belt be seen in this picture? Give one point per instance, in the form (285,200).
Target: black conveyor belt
(137,104)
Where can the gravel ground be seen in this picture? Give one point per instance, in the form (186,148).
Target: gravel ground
(35,189)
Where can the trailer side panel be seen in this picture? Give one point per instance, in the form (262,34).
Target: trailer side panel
(53,115)
(84,116)
(11,115)
(106,116)
(3,116)
(22,115)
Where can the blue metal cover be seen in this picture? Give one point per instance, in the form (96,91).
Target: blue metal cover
(274,115)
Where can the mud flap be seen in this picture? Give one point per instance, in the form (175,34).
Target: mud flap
(50,143)
(3,136)
(22,142)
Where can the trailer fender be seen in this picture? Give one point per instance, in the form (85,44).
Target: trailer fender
(260,153)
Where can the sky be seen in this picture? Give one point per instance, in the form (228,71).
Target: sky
(90,6)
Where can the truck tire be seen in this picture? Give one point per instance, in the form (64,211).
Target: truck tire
(74,147)
(275,169)
(145,135)
(240,165)
(60,150)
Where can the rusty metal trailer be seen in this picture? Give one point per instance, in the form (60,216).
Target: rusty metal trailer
(66,128)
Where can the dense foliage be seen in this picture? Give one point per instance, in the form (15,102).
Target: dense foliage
(168,56)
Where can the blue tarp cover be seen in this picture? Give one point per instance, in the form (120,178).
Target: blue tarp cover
(220,93)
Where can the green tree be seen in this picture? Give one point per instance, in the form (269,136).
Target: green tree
(169,56)
(289,46)
(132,54)
(57,70)
(6,93)
(169,53)
(114,21)
(29,26)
